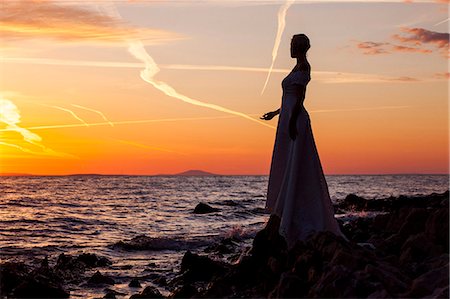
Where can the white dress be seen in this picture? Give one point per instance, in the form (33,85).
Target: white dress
(298,191)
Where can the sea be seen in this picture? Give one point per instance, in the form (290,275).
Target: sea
(47,215)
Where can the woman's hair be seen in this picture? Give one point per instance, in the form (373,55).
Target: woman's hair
(300,44)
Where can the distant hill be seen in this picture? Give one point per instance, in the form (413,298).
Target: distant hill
(195,173)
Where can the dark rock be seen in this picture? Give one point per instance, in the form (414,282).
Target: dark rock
(143,242)
(203,208)
(290,286)
(148,292)
(196,267)
(428,283)
(134,283)
(437,227)
(334,283)
(110,295)
(185,291)
(353,201)
(161,281)
(11,275)
(39,288)
(91,260)
(99,278)
(418,248)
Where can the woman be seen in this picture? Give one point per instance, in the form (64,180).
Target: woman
(297,195)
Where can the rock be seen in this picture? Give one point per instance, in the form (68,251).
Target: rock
(354,202)
(426,284)
(196,267)
(134,283)
(290,286)
(390,280)
(437,227)
(161,281)
(39,288)
(185,291)
(203,208)
(116,293)
(148,292)
(143,242)
(99,278)
(440,293)
(110,295)
(414,222)
(91,260)
(334,283)
(418,248)
(11,275)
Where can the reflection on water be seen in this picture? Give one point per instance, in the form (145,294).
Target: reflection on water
(49,215)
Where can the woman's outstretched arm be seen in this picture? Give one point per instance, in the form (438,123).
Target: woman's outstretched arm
(270,115)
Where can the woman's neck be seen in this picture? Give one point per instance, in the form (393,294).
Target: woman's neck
(302,63)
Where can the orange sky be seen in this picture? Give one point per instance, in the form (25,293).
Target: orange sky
(73,98)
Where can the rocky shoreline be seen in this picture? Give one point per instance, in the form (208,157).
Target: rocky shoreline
(400,253)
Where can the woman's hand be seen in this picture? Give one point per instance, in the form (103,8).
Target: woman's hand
(269,115)
(293,128)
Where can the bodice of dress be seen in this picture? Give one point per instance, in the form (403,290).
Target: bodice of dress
(290,86)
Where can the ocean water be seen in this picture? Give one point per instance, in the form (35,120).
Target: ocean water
(49,215)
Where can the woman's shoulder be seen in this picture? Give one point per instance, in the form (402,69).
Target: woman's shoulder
(302,76)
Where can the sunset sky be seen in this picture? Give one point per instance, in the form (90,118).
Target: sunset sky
(157,87)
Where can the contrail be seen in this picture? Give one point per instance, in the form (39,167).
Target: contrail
(125,122)
(442,22)
(66,110)
(319,76)
(10,115)
(96,111)
(136,48)
(281,25)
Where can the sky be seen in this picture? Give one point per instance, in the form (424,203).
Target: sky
(160,87)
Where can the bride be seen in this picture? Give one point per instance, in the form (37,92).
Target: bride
(297,195)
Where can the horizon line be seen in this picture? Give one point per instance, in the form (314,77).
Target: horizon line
(209,174)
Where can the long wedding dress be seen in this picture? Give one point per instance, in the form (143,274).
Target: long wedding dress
(298,191)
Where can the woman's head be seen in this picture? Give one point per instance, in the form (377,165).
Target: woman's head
(299,45)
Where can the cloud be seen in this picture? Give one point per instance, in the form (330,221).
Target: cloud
(69,23)
(10,116)
(445,75)
(398,48)
(373,48)
(414,40)
(420,36)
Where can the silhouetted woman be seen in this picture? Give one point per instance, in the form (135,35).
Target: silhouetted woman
(297,195)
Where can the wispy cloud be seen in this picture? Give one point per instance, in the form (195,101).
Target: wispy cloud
(123,122)
(10,116)
(281,16)
(70,23)
(420,36)
(320,76)
(95,111)
(414,40)
(445,75)
(151,69)
(70,112)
